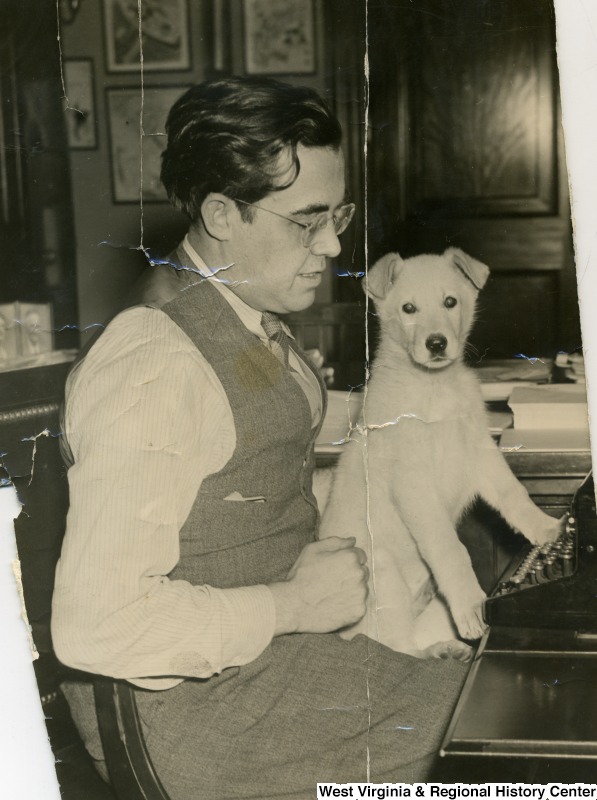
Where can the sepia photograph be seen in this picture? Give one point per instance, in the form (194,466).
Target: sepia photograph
(294,408)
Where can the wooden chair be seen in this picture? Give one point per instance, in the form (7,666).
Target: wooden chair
(131,772)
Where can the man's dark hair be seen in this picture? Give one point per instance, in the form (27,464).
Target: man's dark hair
(225,136)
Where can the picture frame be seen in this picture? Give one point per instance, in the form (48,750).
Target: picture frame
(279,37)
(132,178)
(80,107)
(164,41)
(35,328)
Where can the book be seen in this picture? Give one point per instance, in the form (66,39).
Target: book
(551,440)
(554,406)
(500,376)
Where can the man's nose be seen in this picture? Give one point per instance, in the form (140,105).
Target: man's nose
(326,242)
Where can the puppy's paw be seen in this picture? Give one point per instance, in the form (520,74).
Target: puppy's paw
(547,529)
(450,649)
(469,621)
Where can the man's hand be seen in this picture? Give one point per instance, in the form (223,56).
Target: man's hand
(325,590)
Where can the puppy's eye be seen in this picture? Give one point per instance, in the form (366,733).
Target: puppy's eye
(450,302)
(408,308)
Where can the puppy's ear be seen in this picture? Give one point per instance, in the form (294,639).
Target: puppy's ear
(474,270)
(380,277)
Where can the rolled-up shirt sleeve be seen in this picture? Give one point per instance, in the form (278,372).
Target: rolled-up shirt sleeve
(146,420)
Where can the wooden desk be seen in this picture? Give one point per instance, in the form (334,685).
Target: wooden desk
(525,715)
(528,694)
(559,472)
(550,474)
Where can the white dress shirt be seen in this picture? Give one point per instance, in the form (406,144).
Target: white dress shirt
(147,420)
(251,319)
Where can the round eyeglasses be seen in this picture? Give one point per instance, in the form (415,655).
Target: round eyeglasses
(340,219)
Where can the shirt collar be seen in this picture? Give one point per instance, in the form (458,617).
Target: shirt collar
(249,316)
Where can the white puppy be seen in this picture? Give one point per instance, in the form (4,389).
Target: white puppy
(420,455)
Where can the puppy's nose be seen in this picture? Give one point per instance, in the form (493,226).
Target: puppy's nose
(436,344)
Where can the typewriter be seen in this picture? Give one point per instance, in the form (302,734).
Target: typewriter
(531,693)
(553,586)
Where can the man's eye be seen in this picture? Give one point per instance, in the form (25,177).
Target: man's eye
(408,308)
(450,302)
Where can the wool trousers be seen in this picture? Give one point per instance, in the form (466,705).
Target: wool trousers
(311,708)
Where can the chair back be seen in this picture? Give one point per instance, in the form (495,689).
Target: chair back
(337,331)
(131,772)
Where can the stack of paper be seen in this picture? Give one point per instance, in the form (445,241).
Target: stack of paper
(499,377)
(573,365)
(546,440)
(553,417)
(557,405)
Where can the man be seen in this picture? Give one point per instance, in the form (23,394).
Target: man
(190,564)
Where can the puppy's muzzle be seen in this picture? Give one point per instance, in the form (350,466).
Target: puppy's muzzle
(436,343)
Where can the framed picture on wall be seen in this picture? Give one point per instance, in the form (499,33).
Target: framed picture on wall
(137,139)
(279,37)
(81,127)
(155,32)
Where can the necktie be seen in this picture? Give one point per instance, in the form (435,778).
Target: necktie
(274,331)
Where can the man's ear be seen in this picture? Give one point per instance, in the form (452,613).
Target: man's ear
(474,270)
(215,213)
(382,274)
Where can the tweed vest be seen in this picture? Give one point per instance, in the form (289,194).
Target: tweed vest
(239,542)
(249,521)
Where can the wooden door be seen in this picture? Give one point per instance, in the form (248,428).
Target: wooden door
(465,149)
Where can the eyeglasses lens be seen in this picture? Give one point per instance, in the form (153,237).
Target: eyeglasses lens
(341,220)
